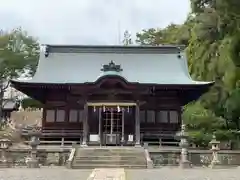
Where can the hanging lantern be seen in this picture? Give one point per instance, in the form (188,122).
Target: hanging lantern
(94,109)
(104,109)
(128,109)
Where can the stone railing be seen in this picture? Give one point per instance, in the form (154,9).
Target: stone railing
(71,157)
(148,159)
(61,157)
(198,158)
(18,157)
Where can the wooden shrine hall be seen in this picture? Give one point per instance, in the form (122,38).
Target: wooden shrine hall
(112,95)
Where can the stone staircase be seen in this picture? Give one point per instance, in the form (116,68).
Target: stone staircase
(109,157)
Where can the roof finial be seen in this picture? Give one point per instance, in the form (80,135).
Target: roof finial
(111,67)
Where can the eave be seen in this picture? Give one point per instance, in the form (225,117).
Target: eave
(187,92)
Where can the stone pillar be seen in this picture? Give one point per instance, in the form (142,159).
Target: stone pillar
(137,125)
(32,161)
(215,148)
(85,126)
(184,162)
(4,145)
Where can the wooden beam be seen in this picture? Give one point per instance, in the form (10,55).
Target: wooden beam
(111,104)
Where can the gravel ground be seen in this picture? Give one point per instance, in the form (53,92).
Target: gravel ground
(55,173)
(62,173)
(183,174)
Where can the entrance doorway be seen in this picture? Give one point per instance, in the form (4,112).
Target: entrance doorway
(112,126)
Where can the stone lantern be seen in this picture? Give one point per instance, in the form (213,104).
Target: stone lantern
(215,148)
(32,161)
(183,135)
(4,145)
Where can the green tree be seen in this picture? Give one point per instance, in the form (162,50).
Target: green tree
(202,123)
(31,103)
(19,55)
(214,48)
(172,34)
(212,35)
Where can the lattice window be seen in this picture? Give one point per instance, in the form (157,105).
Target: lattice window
(60,115)
(173,117)
(162,116)
(50,115)
(151,116)
(73,115)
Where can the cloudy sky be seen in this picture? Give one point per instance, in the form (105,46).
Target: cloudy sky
(89,21)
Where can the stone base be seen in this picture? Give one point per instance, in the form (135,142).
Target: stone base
(83,145)
(32,163)
(185,165)
(150,165)
(137,145)
(4,164)
(216,165)
(69,164)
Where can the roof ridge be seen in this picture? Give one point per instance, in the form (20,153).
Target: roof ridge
(134,49)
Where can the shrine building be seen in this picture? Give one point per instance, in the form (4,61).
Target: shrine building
(112,95)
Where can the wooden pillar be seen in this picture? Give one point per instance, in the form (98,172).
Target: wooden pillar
(100,125)
(122,138)
(137,125)
(85,125)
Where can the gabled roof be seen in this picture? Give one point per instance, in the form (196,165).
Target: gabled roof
(165,65)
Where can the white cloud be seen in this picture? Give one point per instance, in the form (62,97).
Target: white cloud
(89,21)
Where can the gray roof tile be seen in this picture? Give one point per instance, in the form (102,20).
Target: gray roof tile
(156,65)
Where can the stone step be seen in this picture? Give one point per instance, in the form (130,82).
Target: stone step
(107,158)
(111,148)
(99,151)
(100,161)
(130,158)
(4,166)
(110,151)
(79,153)
(109,154)
(93,166)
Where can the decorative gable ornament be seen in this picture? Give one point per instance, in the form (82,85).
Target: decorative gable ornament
(111,67)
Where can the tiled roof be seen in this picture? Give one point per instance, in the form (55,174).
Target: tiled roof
(142,64)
